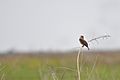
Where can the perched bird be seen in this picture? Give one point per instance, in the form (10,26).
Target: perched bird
(83,42)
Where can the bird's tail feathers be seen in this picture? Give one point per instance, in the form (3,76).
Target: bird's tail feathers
(88,48)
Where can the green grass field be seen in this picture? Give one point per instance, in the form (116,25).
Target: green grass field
(95,66)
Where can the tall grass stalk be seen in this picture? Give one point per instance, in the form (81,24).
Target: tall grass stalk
(93,67)
(67,68)
(53,73)
(78,64)
(54,76)
(2,77)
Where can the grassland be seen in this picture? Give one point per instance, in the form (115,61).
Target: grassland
(62,66)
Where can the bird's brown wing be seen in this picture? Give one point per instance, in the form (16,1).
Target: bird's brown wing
(84,43)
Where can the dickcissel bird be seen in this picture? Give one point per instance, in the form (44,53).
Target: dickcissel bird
(83,42)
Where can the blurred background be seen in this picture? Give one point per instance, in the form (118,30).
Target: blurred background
(49,30)
(57,24)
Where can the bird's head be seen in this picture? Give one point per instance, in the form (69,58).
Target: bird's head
(81,37)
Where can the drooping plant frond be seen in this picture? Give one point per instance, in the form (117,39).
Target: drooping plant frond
(100,37)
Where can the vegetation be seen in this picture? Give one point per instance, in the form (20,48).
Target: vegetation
(62,66)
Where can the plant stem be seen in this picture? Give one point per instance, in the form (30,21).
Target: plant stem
(78,64)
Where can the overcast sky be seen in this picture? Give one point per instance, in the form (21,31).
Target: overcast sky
(58,24)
